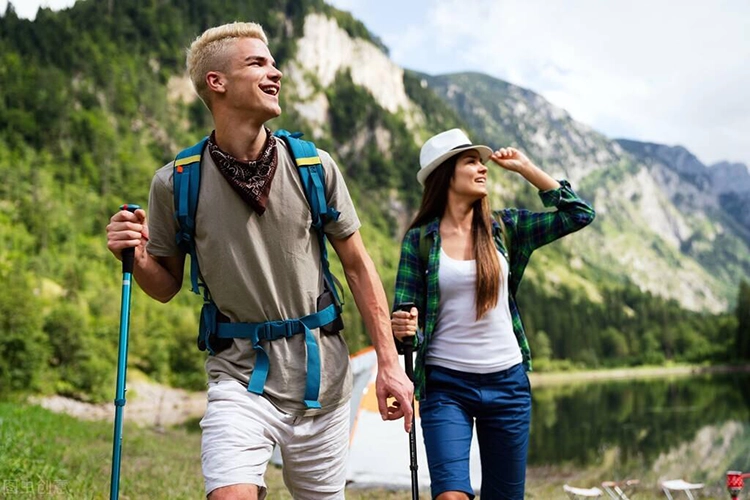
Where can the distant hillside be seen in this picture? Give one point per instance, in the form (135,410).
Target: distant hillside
(724,185)
(93,99)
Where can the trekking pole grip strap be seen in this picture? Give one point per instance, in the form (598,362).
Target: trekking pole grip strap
(128,254)
(408,344)
(128,260)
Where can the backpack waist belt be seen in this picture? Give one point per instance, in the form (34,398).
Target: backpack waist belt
(272,330)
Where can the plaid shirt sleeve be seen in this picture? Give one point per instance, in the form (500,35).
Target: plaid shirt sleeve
(410,277)
(531,230)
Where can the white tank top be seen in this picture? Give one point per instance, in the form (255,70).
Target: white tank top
(459,341)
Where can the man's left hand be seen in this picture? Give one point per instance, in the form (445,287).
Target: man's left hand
(393,384)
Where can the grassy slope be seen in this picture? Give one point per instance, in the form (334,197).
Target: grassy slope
(43,455)
(47,455)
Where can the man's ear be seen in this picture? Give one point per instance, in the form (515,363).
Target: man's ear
(215,82)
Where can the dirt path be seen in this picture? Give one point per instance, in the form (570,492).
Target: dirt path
(148,404)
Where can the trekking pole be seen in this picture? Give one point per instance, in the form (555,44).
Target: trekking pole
(128,257)
(409,368)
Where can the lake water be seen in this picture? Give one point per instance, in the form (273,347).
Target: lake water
(695,428)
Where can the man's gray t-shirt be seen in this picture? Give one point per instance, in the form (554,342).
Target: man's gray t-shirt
(263,268)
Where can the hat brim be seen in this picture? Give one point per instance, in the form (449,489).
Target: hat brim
(484,154)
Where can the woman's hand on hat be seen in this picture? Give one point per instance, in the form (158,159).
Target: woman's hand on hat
(510,159)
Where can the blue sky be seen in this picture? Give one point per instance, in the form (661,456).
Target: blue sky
(652,70)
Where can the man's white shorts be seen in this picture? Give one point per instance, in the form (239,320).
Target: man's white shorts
(239,432)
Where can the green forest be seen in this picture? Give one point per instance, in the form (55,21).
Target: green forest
(86,119)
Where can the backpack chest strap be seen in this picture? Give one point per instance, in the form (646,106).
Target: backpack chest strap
(273,330)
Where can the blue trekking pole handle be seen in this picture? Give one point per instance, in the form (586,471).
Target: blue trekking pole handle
(128,258)
(408,348)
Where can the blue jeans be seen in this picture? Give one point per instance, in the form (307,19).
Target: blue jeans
(500,404)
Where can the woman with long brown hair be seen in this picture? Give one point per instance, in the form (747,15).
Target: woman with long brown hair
(461,264)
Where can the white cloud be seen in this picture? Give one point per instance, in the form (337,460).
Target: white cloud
(28,8)
(653,70)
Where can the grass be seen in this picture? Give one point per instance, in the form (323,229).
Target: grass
(46,455)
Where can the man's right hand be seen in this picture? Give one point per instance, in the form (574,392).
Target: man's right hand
(125,230)
(159,277)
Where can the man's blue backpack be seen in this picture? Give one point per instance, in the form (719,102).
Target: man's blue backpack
(215,331)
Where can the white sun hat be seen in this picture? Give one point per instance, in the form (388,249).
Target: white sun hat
(442,146)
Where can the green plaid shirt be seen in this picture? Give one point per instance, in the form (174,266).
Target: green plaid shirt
(525,232)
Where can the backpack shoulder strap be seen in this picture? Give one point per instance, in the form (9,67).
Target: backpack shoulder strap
(425,244)
(312,174)
(186,184)
(504,235)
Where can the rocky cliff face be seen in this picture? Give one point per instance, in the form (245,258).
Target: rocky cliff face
(730,178)
(731,183)
(724,186)
(324,51)
(677,158)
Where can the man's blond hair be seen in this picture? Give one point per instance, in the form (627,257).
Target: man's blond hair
(208,52)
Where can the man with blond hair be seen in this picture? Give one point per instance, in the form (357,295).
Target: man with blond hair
(261,262)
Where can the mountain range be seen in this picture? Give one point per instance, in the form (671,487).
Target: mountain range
(93,99)
(667,223)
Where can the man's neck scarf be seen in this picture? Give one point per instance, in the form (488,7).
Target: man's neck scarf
(250,179)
